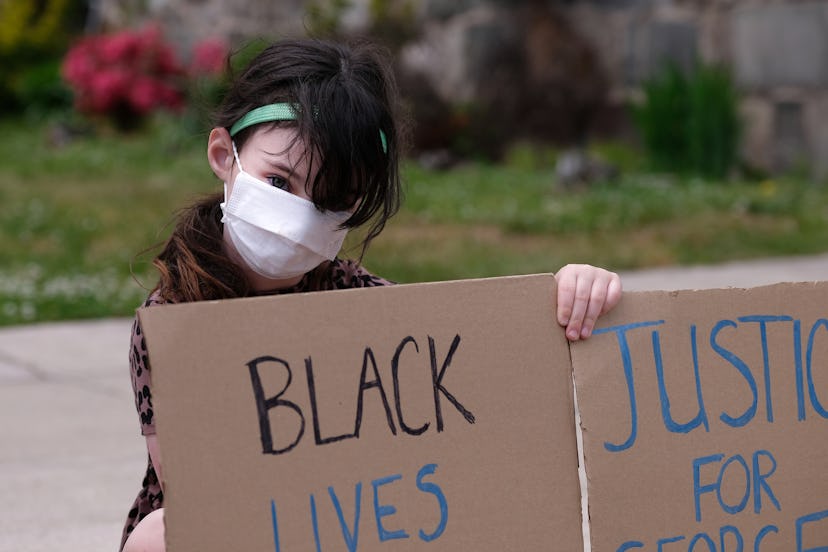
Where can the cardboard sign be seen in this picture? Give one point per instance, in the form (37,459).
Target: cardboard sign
(705,421)
(433,416)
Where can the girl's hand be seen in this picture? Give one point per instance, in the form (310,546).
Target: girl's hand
(584,293)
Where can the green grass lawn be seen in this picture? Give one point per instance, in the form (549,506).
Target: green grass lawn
(77,220)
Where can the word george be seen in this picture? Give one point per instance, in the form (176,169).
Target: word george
(694,544)
(703,542)
(369,363)
(803,372)
(350,531)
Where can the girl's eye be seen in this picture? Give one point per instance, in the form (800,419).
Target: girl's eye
(278,182)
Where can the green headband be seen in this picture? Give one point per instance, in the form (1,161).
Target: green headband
(278,112)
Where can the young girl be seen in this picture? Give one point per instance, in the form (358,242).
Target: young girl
(306,143)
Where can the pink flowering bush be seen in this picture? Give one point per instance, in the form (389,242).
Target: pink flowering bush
(127,75)
(209,58)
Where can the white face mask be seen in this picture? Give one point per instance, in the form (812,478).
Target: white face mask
(277,234)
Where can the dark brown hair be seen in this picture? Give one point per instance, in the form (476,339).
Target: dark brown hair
(346,99)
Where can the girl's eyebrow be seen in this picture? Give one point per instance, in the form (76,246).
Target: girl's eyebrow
(278,164)
(282,167)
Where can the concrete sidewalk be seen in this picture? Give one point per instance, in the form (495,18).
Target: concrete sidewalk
(72,458)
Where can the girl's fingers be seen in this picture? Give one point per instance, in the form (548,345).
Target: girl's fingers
(566,294)
(597,300)
(584,293)
(613,293)
(580,305)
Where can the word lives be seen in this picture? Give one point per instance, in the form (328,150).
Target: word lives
(384,517)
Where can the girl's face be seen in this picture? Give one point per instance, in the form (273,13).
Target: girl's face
(274,155)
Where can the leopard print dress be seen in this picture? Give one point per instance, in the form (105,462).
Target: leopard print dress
(342,275)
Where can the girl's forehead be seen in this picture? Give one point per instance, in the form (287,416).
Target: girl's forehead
(280,146)
(277,141)
(276,136)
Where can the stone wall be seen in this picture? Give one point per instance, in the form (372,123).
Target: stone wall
(187,21)
(561,67)
(777,51)
(521,67)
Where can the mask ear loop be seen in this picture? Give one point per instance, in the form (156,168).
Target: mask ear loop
(236,155)
(224,203)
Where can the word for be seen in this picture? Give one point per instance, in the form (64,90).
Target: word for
(730,539)
(350,528)
(735,470)
(369,379)
(803,372)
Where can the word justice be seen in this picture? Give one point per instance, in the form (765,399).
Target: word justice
(757,379)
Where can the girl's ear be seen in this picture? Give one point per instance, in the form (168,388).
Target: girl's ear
(220,153)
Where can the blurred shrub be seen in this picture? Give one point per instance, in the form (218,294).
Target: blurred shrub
(41,87)
(690,123)
(127,75)
(324,16)
(32,35)
(393,22)
(23,22)
(207,81)
(124,75)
